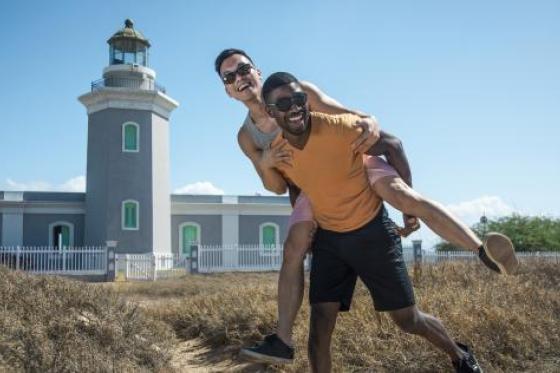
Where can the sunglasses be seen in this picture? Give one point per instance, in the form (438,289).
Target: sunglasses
(229,77)
(285,103)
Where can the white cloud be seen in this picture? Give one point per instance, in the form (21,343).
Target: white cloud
(471,211)
(75,184)
(200,187)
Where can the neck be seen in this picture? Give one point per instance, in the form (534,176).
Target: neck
(256,108)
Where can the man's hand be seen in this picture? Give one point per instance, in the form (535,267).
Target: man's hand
(411,224)
(276,155)
(369,135)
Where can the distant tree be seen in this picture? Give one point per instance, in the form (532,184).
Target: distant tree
(528,233)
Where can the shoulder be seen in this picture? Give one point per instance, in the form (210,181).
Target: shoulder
(309,87)
(245,140)
(342,122)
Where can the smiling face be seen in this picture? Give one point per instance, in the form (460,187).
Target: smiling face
(288,105)
(247,85)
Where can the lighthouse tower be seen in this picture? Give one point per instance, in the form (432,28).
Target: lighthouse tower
(128,181)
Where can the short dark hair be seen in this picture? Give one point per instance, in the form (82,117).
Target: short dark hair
(276,80)
(227,53)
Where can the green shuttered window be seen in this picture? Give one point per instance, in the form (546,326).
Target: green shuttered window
(130,137)
(130,215)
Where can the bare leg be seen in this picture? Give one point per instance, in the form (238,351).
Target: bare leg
(405,199)
(290,280)
(412,321)
(322,322)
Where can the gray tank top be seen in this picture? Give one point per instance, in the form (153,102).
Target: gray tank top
(261,139)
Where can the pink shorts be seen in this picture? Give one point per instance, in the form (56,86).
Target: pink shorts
(376,169)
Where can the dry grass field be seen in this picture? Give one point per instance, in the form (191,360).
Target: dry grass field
(198,323)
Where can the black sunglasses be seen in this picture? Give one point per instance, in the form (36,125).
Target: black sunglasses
(285,103)
(229,77)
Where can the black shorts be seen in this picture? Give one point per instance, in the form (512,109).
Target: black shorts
(373,253)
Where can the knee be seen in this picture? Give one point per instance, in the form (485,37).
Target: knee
(413,324)
(295,249)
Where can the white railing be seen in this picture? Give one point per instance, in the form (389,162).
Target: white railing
(444,256)
(255,258)
(151,266)
(54,260)
(240,258)
(469,256)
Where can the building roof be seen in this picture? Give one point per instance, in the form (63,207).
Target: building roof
(40,196)
(128,32)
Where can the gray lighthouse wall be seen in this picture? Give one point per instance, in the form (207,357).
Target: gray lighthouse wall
(161,187)
(114,176)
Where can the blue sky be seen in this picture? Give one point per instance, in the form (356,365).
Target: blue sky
(471,88)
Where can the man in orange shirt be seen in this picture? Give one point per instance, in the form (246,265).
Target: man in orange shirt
(355,237)
(391,180)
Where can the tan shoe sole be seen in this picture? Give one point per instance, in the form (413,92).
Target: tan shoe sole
(500,249)
(261,358)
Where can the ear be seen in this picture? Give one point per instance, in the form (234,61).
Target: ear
(269,111)
(259,74)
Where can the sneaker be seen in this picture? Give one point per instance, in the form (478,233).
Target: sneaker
(468,363)
(271,350)
(498,254)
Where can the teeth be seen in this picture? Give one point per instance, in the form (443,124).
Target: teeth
(296,116)
(242,87)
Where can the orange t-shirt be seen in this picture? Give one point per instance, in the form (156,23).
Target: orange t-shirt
(331,175)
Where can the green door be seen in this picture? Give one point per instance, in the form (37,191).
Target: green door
(61,236)
(269,236)
(65,236)
(190,236)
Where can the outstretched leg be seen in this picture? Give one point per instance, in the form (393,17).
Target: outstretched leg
(497,253)
(413,321)
(405,199)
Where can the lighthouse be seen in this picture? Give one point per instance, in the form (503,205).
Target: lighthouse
(128,179)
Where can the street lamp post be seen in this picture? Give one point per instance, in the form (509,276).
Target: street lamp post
(484,223)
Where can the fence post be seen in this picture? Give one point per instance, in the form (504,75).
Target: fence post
(111,269)
(154,268)
(126,273)
(194,259)
(18,252)
(64,256)
(417,252)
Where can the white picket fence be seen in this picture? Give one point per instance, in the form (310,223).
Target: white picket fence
(150,266)
(240,258)
(254,258)
(443,256)
(54,260)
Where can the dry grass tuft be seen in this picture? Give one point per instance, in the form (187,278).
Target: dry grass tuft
(513,323)
(55,324)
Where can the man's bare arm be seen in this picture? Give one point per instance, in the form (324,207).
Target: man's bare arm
(391,147)
(323,103)
(272,180)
